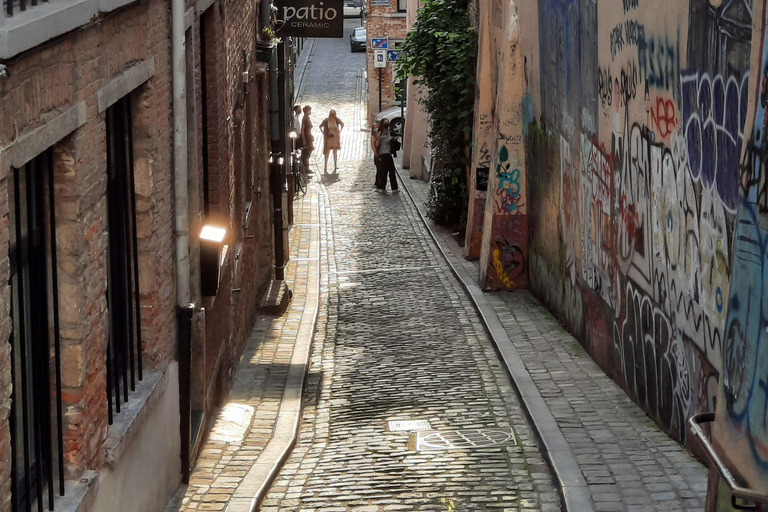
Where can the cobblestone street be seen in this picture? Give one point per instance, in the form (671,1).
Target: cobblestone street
(402,333)
(401,342)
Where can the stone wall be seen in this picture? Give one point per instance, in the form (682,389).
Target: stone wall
(45,84)
(238,183)
(42,84)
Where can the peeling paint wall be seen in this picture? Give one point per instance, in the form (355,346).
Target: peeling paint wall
(647,225)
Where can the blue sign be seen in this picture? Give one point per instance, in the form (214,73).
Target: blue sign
(379,44)
(392,55)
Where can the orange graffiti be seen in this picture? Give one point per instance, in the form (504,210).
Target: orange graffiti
(499,267)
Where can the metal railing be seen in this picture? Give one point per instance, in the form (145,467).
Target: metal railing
(737,492)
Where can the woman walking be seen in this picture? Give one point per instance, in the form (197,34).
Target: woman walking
(331,128)
(383,153)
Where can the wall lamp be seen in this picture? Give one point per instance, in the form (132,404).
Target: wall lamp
(211,248)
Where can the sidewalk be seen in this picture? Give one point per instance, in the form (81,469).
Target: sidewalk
(599,443)
(256,428)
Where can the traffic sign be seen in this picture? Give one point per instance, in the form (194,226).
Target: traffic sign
(379,58)
(392,55)
(379,43)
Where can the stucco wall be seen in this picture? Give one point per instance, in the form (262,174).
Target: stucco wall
(647,236)
(149,471)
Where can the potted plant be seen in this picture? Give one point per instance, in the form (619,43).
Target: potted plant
(266,44)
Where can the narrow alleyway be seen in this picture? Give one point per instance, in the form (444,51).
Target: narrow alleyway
(397,338)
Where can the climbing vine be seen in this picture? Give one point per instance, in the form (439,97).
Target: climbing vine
(441,51)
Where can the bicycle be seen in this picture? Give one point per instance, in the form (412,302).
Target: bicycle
(299,173)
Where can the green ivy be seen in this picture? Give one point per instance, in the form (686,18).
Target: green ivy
(441,51)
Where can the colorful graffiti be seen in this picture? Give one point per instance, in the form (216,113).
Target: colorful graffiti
(744,382)
(597,261)
(649,158)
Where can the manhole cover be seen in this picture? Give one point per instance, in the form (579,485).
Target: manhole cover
(463,439)
(408,425)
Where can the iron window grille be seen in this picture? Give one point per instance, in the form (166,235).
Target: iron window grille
(124,366)
(36,439)
(15,6)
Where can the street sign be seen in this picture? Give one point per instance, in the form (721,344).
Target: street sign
(310,18)
(379,58)
(379,43)
(392,55)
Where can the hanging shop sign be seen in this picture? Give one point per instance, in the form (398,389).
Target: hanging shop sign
(310,18)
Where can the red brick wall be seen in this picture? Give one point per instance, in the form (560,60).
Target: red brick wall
(238,174)
(382,22)
(43,82)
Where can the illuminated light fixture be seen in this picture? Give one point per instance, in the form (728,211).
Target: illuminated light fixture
(280,161)
(213,234)
(211,239)
(292,134)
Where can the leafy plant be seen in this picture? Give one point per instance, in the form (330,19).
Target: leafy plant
(269,36)
(441,51)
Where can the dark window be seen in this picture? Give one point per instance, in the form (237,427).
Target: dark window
(36,440)
(124,348)
(401,5)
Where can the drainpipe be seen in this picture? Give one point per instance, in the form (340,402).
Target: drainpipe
(277,145)
(184,309)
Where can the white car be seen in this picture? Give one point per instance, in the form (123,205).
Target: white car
(353,8)
(396,116)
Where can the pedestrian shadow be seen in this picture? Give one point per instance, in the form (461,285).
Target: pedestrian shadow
(329,178)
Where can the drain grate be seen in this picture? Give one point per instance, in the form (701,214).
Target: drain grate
(462,439)
(408,425)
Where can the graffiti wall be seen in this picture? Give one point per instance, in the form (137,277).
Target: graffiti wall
(741,426)
(490,26)
(504,246)
(641,209)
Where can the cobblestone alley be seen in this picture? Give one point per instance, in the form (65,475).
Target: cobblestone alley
(397,338)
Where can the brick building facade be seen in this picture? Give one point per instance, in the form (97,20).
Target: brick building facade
(386,19)
(89,372)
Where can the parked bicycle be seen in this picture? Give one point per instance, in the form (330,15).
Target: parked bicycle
(299,173)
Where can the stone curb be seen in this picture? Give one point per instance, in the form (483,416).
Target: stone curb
(301,69)
(573,488)
(254,487)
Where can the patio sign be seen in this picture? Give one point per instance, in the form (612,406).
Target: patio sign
(310,18)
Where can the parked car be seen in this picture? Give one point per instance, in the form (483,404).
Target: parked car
(396,118)
(352,8)
(358,39)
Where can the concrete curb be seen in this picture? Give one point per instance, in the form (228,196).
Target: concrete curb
(253,489)
(301,69)
(573,488)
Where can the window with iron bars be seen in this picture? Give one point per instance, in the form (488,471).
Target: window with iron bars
(37,462)
(124,365)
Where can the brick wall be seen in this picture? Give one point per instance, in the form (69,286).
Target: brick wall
(238,175)
(5,358)
(43,82)
(382,22)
